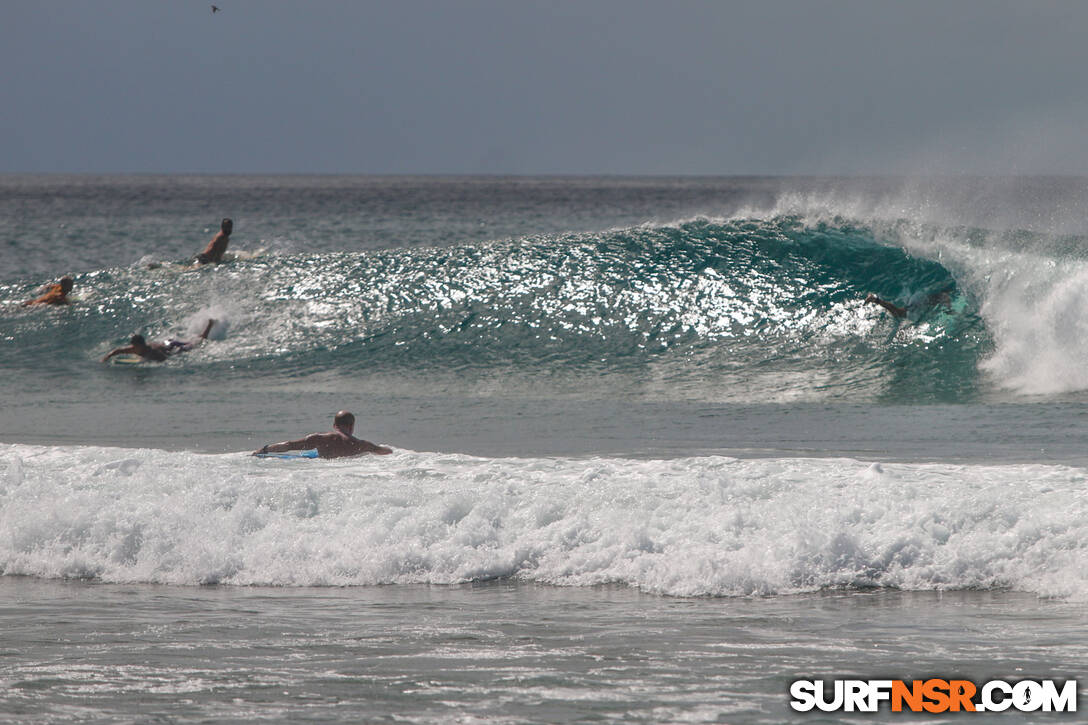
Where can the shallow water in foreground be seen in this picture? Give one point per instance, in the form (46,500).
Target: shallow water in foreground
(503,651)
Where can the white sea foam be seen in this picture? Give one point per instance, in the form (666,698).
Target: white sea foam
(690,526)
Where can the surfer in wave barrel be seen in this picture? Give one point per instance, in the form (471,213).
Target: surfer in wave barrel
(159,351)
(938,298)
(894,309)
(337,443)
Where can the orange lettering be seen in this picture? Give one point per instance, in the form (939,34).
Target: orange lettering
(937,692)
(961,693)
(912,696)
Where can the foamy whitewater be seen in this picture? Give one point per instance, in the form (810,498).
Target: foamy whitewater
(654,455)
(684,527)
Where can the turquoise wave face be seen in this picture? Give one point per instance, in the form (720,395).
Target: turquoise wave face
(754,310)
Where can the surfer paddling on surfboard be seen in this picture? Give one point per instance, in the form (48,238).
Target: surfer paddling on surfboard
(159,351)
(337,443)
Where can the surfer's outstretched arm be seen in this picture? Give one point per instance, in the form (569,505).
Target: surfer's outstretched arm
(120,351)
(301,444)
(895,310)
(207,329)
(368,447)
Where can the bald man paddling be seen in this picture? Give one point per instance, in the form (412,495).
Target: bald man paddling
(337,443)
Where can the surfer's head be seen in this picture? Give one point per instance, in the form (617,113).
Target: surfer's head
(226,225)
(344,421)
(137,341)
(66,283)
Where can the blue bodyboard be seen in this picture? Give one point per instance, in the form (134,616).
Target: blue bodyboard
(290,455)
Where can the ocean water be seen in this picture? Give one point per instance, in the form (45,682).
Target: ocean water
(655,458)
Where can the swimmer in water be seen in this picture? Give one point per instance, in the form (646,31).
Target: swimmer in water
(159,351)
(337,443)
(217,247)
(54,294)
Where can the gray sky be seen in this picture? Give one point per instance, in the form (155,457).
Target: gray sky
(562,87)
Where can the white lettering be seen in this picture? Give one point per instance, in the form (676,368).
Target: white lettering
(879,690)
(992,705)
(804,695)
(1027,696)
(855,698)
(1064,701)
(821,698)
